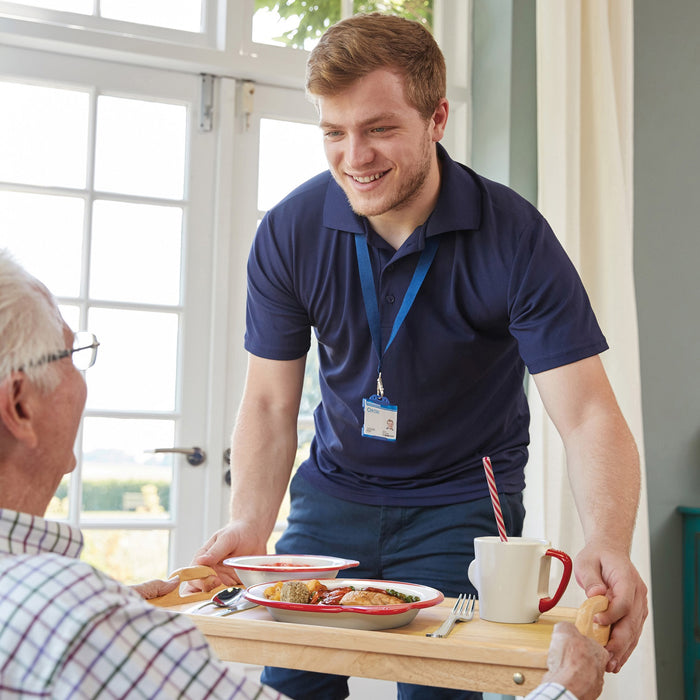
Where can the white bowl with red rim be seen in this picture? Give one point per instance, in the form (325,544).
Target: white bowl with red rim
(269,568)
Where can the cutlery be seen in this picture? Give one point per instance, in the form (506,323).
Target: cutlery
(224,598)
(237,607)
(463,611)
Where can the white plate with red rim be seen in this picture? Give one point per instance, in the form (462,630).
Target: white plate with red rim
(262,568)
(364,617)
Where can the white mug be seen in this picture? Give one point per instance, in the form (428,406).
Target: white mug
(512,578)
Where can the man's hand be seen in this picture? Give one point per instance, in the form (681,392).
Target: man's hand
(610,572)
(575,661)
(233,540)
(155,588)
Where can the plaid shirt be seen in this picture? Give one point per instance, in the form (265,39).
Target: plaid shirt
(69,631)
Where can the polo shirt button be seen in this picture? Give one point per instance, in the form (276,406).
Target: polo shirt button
(389,298)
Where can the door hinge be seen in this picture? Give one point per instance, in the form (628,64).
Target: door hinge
(206,102)
(247,100)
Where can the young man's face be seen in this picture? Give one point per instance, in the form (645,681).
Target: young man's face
(379,148)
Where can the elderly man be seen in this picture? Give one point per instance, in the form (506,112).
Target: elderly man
(66,629)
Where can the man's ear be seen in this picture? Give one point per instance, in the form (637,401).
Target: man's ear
(439,119)
(17,396)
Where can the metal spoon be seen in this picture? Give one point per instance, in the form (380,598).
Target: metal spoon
(224,598)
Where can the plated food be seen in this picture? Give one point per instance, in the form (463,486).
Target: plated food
(315,592)
(252,570)
(356,603)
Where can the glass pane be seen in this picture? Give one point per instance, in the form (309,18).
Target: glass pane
(140,147)
(290,153)
(59,504)
(121,476)
(71,315)
(83,7)
(130,556)
(152,276)
(173,14)
(136,366)
(51,224)
(303,448)
(297,24)
(43,135)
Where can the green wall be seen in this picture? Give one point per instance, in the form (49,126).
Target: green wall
(667,256)
(504,115)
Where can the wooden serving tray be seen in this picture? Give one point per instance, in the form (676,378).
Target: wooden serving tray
(477,655)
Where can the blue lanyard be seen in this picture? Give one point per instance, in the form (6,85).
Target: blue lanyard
(370,296)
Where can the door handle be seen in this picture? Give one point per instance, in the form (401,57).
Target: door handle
(194,455)
(227,473)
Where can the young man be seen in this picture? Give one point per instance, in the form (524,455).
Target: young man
(430,289)
(66,629)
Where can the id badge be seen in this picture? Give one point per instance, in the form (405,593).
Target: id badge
(380,418)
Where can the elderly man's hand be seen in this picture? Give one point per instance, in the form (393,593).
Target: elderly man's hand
(155,588)
(577,662)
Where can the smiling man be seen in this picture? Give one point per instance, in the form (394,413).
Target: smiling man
(382,154)
(430,290)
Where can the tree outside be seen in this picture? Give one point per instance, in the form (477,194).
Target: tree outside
(315,16)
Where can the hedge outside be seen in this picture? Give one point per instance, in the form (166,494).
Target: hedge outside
(108,495)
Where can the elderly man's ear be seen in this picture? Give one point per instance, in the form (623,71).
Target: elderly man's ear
(17,408)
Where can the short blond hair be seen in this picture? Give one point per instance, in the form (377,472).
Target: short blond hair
(359,45)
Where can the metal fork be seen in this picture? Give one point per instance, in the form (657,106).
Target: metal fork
(463,611)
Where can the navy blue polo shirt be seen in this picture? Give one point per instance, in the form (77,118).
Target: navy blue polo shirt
(500,295)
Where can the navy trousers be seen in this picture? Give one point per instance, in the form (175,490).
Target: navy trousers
(430,545)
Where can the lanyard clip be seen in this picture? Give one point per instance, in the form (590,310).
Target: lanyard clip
(380,386)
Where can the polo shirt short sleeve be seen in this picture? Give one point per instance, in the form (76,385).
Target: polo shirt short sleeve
(501,295)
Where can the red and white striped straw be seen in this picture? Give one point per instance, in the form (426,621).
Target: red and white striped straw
(494,499)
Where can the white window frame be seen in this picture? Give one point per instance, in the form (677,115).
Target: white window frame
(224,49)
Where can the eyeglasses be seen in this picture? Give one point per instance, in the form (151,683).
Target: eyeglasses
(83,352)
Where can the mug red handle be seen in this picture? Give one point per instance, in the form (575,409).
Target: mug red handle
(565,559)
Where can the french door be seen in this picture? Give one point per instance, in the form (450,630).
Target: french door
(140,223)
(108,194)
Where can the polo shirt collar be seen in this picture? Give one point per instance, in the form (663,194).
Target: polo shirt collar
(459,204)
(458,207)
(337,212)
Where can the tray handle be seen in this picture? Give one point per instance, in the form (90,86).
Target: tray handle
(584,619)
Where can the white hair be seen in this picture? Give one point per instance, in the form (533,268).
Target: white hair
(31,326)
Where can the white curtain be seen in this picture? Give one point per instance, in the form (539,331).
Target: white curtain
(585,108)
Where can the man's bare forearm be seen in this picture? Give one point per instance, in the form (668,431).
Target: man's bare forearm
(605,476)
(262,456)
